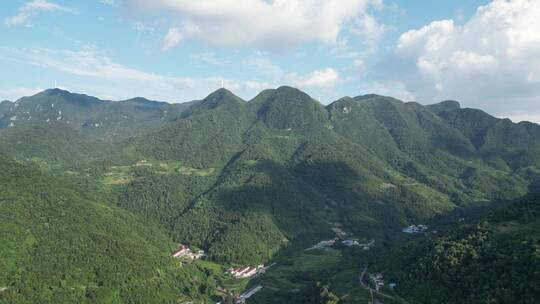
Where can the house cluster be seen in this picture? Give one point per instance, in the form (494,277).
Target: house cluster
(365,246)
(185,251)
(322,244)
(377,280)
(245,272)
(415,229)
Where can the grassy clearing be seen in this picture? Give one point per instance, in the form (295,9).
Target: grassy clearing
(346,285)
(291,275)
(193,171)
(321,260)
(116,178)
(121,175)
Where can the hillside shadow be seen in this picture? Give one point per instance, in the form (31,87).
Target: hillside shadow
(304,200)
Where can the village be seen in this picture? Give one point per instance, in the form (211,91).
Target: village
(188,254)
(347,242)
(248,272)
(377,280)
(364,246)
(238,273)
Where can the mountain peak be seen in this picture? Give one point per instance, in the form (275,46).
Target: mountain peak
(290,108)
(371,96)
(220,97)
(297,94)
(141,101)
(55,91)
(56,94)
(444,106)
(287,88)
(221,92)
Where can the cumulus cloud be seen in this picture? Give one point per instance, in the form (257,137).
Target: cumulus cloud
(325,78)
(274,25)
(32,8)
(369,30)
(492,61)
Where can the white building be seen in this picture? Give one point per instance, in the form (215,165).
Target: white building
(245,272)
(415,229)
(185,251)
(350,243)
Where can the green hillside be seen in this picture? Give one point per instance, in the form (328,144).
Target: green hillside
(60,247)
(50,144)
(492,260)
(282,168)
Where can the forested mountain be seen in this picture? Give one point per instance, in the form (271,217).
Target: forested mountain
(282,165)
(60,246)
(108,120)
(495,259)
(247,180)
(51,143)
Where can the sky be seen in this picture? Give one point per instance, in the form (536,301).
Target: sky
(484,54)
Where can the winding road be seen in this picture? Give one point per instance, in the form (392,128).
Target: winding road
(365,286)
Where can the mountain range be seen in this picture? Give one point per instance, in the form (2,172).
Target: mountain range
(245,181)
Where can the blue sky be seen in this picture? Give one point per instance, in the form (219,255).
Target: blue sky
(481,53)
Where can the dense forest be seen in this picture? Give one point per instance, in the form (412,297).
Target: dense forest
(495,259)
(59,246)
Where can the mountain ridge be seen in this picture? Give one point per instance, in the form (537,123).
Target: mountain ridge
(438,107)
(250,181)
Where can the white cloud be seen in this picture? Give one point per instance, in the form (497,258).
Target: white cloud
(492,61)
(30,9)
(258,86)
(209,58)
(172,39)
(378,4)
(16,93)
(91,71)
(263,65)
(109,2)
(325,78)
(141,27)
(265,24)
(369,30)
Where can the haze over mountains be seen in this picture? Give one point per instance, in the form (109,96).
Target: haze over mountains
(242,180)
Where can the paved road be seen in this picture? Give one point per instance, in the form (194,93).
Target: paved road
(246,295)
(369,288)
